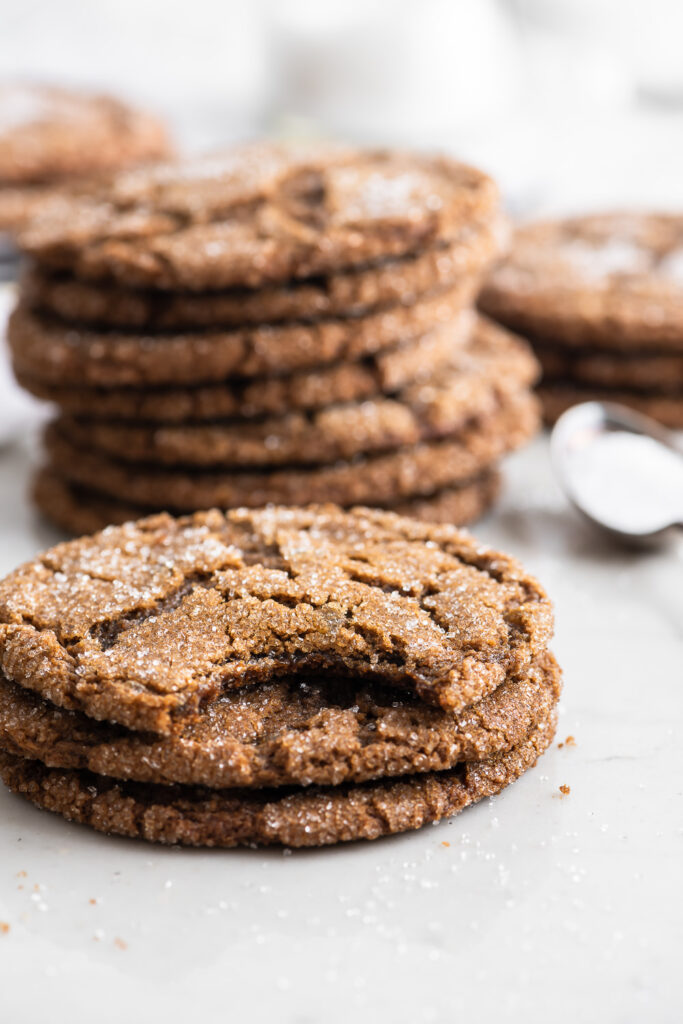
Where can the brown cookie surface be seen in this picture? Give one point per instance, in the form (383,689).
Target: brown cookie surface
(557,397)
(315,816)
(302,732)
(379,373)
(380,479)
(347,293)
(458,505)
(79,510)
(260,213)
(140,623)
(611,280)
(649,372)
(49,133)
(47,350)
(492,366)
(18,203)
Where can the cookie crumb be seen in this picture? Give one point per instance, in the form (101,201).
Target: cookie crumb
(565,790)
(4,928)
(444,843)
(120,944)
(569,742)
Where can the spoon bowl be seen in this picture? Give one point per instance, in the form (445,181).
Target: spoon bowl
(621,470)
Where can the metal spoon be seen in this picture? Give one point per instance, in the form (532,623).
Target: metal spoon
(623,471)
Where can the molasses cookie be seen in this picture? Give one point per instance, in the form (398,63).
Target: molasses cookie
(79,510)
(459,505)
(314,816)
(51,136)
(144,623)
(48,133)
(658,373)
(557,397)
(493,366)
(611,281)
(52,352)
(345,293)
(288,732)
(353,380)
(261,214)
(380,479)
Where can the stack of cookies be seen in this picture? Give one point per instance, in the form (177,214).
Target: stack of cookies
(280,324)
(282,676)
(601,300)
(51,138)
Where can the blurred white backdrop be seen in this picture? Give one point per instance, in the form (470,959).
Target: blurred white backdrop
(571,103)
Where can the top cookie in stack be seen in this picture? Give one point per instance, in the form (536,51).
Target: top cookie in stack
(276,324)
(50,137)
(293,676)
(601,299)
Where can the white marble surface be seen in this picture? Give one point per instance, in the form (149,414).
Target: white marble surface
(528,907)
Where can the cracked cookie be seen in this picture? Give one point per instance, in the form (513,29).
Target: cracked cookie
(260,214)
(602,281)
(145,622)
(600,298)
(296,732)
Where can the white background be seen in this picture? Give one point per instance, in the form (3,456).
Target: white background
(570,102)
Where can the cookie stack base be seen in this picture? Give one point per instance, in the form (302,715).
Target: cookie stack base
(281,676)
(318,816)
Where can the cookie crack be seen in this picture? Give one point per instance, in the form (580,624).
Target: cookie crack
(389,658)
(424,636)
(107,632)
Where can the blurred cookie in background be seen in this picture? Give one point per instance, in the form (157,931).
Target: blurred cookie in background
(600,298)
(57,139)
(277,323)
